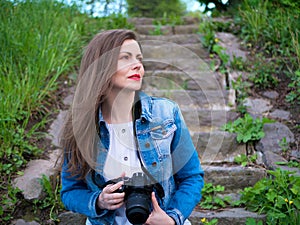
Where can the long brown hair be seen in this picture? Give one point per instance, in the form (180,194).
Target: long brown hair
(79,136)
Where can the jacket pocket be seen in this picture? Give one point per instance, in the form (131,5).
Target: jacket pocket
(163,131)
(162,136)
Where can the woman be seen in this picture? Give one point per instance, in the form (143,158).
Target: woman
(113,130)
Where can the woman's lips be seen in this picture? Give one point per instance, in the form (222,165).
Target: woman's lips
(135,77)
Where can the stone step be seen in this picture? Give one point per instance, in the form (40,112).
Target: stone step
(188,64)
(141,21)
(199,111)
(215,146)
(195,119)
(207,100)
(179,39)
(167,29)
(160,49)
(233,178)
(234,216)
(150,21)
(206,117)
(186,29)
(189,80)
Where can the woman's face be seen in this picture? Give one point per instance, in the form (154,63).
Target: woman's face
(130,69)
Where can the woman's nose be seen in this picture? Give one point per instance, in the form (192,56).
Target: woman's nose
(137,65)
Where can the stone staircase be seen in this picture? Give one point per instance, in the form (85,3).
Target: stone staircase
(177,68)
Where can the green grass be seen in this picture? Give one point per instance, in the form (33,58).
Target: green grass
(41,43)
(271,27)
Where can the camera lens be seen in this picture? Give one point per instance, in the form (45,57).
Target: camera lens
(138,208)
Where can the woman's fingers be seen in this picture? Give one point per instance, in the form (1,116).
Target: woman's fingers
(154,202)
(115,206)
(115,187)
(110,198)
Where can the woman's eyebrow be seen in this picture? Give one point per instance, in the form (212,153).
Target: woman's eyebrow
(129,53)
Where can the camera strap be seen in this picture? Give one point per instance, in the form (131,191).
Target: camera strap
(137,111)
(136,114)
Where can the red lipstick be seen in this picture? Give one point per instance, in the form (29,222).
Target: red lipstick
(136,77)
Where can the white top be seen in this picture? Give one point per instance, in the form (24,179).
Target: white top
(122,157)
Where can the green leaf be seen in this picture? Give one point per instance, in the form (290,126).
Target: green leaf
(296,202)
(295,190)
(244,164)
(250,221)
(280,202)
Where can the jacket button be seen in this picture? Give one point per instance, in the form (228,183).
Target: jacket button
(147,145)
(154,164)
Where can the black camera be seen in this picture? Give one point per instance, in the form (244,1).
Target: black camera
(137,199)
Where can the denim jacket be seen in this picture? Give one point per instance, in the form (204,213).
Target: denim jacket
(166,151)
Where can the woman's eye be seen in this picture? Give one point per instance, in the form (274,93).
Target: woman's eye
(140,59)
(124,57)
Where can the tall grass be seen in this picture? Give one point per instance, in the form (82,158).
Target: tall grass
(272,27)
(41,42)
(268,24)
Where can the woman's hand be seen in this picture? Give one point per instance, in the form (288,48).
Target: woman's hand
(110,200)
(158,216)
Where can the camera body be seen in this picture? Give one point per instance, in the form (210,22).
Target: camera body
(138,191)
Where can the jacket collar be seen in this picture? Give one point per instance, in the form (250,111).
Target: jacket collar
(145,106)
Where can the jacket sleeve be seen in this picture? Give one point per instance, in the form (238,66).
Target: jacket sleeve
(188,173)
(77,197)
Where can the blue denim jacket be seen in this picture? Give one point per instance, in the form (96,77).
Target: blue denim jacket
(166,151)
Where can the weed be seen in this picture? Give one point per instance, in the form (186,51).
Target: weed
(255,19)
(263,74)
(247,128)
(220,51)
(294,94)
(209,41)
(170,20)
(284,145)
(52,199)
(157,30)
(245,160)
(9,201)
(210,200)
(296,45)
(205,221)
(291,164)
(238,63)
(207,30)
(242,88)
(277,196)
(252,221)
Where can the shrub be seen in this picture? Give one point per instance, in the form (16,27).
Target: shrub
(155,8)
(219,5)
(277,196)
